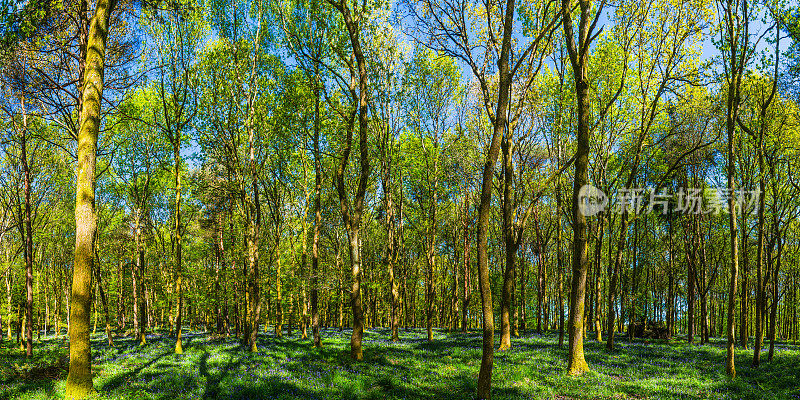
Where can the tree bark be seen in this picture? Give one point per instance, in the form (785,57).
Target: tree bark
(28,236)
(317,216)
(351,215)
(511,243)
(79,379)
(499,124)
(178,247)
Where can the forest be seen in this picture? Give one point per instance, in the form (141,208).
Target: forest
(399,199)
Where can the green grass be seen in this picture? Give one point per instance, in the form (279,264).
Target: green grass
(411,369)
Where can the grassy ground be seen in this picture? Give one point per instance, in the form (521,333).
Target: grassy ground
(410,369)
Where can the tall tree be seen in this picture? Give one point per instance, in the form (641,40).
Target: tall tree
(176,31)
(353,210)
(735,48)
(446,26)
(579,50)
(79,379)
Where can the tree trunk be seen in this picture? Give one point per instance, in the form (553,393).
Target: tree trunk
(745,293)
(178,247)
(79,380)
(465,225)
(577,362)
(691,255)
(511,243)
(317,217)
(351,214)
(499,126)
(598,325)
(760,281)
(28,236)
(773,314)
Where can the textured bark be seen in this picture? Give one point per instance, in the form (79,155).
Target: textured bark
(511,244)
(760,281)
(351,214)
(178,247)
(218,266)
(745,293)
(730,368)
(467,294)
(278,299)
(430,257)
(28,237)
(736,36)
(138,283)
(79,379)
(253,256)
(691,258)
(773,313)
(598,325)
(317,216)
(560,263)
(577,363)
(9,280)
(578,55)
(499,124)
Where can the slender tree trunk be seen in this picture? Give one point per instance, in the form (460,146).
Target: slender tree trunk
(760,281)
(134,280)
(9,293)
(253,257)
(691,253)
(355,294)
(278,298)
(391,249)
(577,362)
(560,262)
(773,314)
(511,244)
(745,293)
(734,69)
(28,240)
(351,214)
(79,380)
(178,247)
(500,124)
(317,216)
(598,325)
(138,282)
(465,225)
(521,306)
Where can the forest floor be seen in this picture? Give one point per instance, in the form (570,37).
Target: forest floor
(445,369)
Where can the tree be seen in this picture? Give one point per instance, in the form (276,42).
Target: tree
(578,51)
(445,24)
(79,379)
(432,84)
(139,167)
(352,211)
(177,35)
(734,43)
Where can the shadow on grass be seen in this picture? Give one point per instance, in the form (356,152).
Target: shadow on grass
(446,368)
(118,380)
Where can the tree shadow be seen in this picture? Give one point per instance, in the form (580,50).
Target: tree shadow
(118,380)
(212,389)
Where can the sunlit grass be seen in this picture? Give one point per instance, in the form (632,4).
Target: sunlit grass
(410,369)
